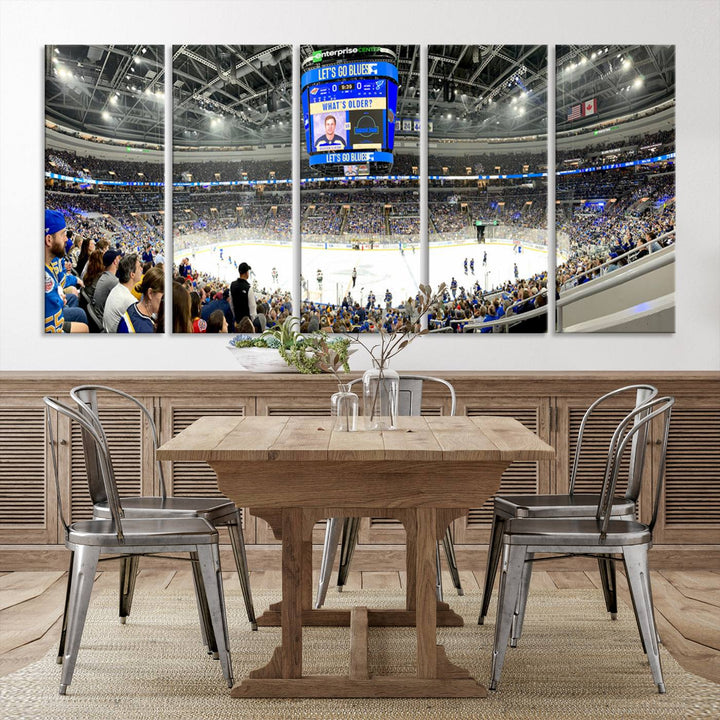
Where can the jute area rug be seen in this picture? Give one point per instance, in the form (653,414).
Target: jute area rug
(573,662)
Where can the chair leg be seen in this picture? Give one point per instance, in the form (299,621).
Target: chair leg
(128,574)
(206,630)
(209,560)
(81,583)
(449,548)
(519,617)
(238,546)
(63,632)
(607,577)
(438,574)
(638,577)
(351,527)
(494,553)
(510,579)
(333,528)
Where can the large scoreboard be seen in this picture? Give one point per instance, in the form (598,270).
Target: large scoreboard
(349,101)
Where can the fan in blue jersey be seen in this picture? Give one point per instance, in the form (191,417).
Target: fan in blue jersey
(55,238)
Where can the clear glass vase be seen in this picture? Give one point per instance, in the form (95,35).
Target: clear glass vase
(381,387)
(344,408)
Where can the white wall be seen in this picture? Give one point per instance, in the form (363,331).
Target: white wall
(692,25)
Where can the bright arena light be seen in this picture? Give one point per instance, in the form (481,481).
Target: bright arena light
(638,82)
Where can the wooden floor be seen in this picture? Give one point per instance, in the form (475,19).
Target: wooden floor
(687,605)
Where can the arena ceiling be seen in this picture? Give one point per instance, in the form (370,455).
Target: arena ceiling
(625,79)
(232,94)
(228,95)
(113,91)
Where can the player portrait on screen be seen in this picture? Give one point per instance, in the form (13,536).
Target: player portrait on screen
(331,140)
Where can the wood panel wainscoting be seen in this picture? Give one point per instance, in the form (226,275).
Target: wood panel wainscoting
(550,404)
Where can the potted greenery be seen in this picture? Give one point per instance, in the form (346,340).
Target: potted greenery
(283,349)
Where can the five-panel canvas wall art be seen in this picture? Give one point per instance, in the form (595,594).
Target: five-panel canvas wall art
(529,233)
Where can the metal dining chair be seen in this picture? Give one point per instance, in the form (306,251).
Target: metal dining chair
(572,504)
(219,511)
(604,535)
(129,538)
(409,403)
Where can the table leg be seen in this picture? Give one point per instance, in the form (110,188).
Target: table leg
(436,676)
(292,557)
(286,662)
(425,598)
(445,617)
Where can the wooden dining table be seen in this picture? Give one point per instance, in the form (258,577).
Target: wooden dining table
(294,471)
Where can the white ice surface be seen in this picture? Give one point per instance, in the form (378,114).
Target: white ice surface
(377,269)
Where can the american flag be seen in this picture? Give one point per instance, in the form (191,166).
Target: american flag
(576,111)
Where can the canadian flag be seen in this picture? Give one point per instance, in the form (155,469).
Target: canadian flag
(590,107)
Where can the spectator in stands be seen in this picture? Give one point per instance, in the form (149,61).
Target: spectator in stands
(198,324)
(217,322)
(242,296)
(55,237)
(69,282)
(139,317)
(87,247)
(245,325)
(93,270)
(70,243)
(185,269)
(220,302)
(653,244)
(107,281)
(182,322)
(121,296)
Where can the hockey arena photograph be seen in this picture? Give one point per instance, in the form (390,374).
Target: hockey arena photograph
(420,415)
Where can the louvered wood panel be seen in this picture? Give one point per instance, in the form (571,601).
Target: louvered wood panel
(520,477)
(124,429)
(22,468)
(692,475)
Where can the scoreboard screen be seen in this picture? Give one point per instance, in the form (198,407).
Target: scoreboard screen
(349,112)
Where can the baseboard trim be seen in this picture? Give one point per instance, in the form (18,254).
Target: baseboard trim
(15,558)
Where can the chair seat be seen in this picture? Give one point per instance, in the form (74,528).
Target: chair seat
(575,532)
(147,531)
(559,506)
(148,506)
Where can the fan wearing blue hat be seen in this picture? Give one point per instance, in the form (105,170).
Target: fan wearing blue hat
(55,237)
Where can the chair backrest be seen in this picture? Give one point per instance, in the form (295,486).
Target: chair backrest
(99,453)
(643,394)
(634,424)
(410,393)
(86,397)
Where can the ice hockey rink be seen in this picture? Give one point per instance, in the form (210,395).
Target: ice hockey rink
(378,270)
